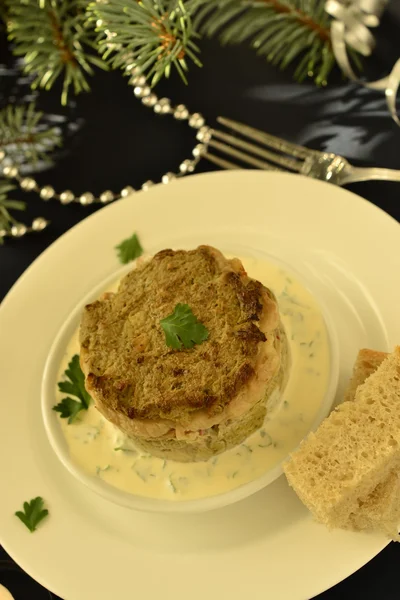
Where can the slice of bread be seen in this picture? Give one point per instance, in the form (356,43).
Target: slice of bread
(366,363)
(381,510)
(355,450)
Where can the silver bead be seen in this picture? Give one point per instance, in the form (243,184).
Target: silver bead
(139,80)
(39,224)
(187,166)
(47,192)
(141,92)
(133,69)
(2,155)
(196,121)
(168,177)
(204,135)
(147,185)
(86,199)
(127,191)
(66,197)
(18,230)
(181,112)
(3,233)
(198,150)
(10,171)
(106,196)
(150,100)
(163,106)
(28,184)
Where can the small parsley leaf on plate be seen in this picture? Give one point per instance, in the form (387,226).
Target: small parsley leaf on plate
(129,249)
(182,328)
(74,384)
(33,513)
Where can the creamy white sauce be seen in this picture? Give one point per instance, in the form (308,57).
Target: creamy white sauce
(101,449)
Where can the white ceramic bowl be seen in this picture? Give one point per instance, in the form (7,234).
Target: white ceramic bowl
(59,444)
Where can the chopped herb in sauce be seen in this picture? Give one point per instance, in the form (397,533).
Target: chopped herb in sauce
(247,448)
(123,449)
(100,470)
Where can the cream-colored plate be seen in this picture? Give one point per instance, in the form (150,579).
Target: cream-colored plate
(268,544)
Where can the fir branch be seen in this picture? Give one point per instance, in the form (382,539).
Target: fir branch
(281,30)
(54,39)
(155,36)
(6,219)
(23,136)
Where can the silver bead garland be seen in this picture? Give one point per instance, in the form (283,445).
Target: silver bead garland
(161,106)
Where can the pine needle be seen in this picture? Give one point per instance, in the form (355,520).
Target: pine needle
(155,36)
(54,39)
(23,136)
(282,31)
(6,218)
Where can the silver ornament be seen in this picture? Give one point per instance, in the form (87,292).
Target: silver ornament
(127,191)
(86,199)
(141,92)
(66,197)
(187,166)
(106,196)
(47,192)
(181,112)
(28,184)
(196,121)
(10,171)
(204,135)
(39,224)
(2,155)
(163,106)
(18,230)
(168,177)
(198,150)
(139,80)
(147,185)
(150,100)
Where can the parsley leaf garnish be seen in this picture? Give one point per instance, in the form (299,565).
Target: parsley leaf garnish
(129,249)
(33,513)
(74,385)
(182,328)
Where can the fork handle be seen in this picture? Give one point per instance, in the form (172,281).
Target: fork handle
(366,174)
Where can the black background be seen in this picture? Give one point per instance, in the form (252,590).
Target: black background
(112,140)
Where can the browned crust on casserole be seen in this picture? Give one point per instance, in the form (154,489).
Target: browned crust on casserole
(129,368)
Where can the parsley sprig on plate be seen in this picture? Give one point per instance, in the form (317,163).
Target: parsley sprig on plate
(74,385)
(33,513)
(182,328)
(129,249)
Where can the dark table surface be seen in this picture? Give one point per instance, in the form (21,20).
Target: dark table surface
(112,140)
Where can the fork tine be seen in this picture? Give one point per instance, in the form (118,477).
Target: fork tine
(283,161)
(266,138)
(220,162)
(249,160)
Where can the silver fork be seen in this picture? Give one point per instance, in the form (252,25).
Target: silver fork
(275,154)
